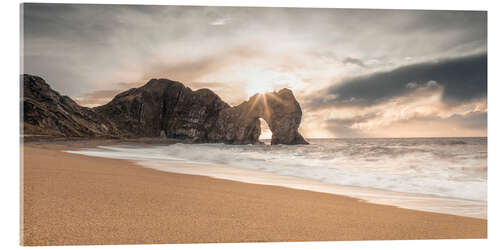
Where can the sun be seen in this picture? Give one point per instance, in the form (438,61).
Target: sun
(259,81)
(258,87)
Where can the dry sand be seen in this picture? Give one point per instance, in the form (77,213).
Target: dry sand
(73,199)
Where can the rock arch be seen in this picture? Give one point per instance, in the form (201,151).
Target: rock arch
(280,110)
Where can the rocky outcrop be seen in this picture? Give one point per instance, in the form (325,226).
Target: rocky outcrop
(46,112)
(163,108)
(280,110)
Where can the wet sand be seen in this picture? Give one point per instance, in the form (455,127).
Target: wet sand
(79,200)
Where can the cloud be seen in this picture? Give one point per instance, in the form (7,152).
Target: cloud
(420,112)
(80,47)
(187,70)
(458,125)
(463,79)
(231,94)
(96,98)
(471,124)
(344,127)
(102,96)
(473,120)
(220,21)
(84,51)
(355,61)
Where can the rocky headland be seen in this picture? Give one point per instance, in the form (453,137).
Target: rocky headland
(161,108)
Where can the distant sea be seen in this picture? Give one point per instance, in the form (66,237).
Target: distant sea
(454,169)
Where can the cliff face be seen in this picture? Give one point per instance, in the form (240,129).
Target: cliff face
(163,108)
(46,112)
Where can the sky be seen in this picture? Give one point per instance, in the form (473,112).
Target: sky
(355,72)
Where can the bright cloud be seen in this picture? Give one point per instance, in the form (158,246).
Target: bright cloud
(355,72)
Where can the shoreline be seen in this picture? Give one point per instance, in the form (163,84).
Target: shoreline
(413,201)
(73,199)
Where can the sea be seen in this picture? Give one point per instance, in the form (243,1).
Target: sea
(444,175)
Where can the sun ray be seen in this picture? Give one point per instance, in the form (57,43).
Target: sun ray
(253,104)
(275,97)
(267,112)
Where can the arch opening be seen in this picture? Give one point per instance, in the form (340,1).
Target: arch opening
(265,131)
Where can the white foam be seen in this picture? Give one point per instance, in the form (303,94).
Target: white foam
(415,171)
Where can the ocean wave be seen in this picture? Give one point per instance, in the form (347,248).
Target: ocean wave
(423,166)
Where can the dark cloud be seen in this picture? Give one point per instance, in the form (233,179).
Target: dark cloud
(355,61)
(83,24)
(463,79)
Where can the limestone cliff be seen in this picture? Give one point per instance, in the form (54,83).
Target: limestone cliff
(46,112)
(163,108)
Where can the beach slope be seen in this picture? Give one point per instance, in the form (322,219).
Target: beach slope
(79,200)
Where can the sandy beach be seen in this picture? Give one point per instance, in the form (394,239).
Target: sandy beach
(79,200)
